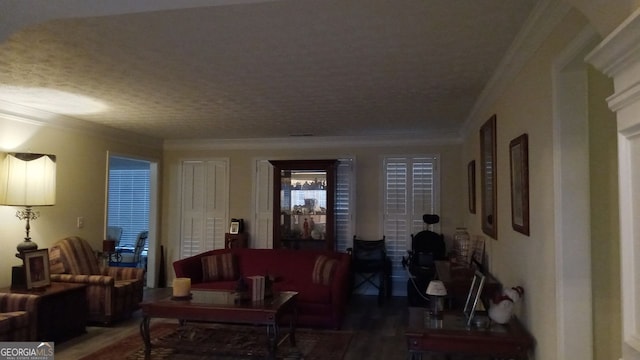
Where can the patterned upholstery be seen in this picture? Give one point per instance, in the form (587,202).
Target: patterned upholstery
(18,316)
(113,293)
(219,267)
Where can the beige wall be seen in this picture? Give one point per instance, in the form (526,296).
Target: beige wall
(605,234)
(525,106)
(368,184)
(81,181)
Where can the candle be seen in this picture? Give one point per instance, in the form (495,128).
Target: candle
(181,287)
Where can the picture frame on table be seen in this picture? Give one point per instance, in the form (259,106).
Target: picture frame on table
(519,164)
(474,295)
(471,183)
(36,265)
(488,197)
(235,227)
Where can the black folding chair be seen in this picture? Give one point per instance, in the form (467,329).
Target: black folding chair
(369,262)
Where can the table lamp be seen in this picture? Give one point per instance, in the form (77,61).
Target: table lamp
(436,292)
(27,180)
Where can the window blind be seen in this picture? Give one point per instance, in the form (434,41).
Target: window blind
(128,203)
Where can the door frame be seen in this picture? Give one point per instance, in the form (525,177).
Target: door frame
(153,252)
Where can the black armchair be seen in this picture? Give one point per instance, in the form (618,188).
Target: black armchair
(369,262)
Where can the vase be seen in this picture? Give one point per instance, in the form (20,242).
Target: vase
(462,246)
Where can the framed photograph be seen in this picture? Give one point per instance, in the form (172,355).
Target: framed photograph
(235,227)
(473,297)
(471,183)
(488,197)
(519,159)
(36,265)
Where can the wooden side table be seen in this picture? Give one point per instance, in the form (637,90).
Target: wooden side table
(240,240)
(451,336)
(62,310)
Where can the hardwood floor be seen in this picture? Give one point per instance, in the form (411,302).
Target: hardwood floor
(379,332)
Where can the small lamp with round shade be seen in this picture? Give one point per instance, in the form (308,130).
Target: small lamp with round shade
(436,292)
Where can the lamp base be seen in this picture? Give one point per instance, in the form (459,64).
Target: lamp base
(26,245)
(18,278)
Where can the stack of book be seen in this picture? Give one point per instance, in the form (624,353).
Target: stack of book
(256,286)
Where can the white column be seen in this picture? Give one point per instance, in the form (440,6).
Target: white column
(618,56)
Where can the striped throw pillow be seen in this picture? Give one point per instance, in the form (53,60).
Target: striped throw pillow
(323,270)
(219,267)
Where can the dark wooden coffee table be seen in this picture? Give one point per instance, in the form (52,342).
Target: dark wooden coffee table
(219,306)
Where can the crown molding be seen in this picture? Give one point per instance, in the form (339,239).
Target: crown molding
(15,112)
(620,49)
(539,25)
(617,57)
(304,142)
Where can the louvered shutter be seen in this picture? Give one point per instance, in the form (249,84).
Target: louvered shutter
(343,204)
(204,206)
(410,191)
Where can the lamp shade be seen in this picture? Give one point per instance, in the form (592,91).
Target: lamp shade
(436,288)
(28,179)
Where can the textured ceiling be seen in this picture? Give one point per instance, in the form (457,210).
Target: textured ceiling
(267,70)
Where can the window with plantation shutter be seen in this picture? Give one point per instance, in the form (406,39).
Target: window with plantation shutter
(205,199)
(411,189)
(344,204)
(128,204)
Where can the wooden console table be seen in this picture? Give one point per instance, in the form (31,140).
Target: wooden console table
(62,310)
(240,240)
(450,336)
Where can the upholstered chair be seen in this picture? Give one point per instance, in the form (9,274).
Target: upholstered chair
(18,317)
(113,293)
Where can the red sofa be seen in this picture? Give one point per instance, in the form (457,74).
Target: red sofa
(319,305)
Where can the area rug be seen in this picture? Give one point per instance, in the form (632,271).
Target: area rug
(191,342)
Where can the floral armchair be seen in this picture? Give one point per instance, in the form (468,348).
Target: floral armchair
(113,293)
(18,317)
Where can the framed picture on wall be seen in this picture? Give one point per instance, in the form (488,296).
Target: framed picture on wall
(488,189)
(471,183)
(519,159)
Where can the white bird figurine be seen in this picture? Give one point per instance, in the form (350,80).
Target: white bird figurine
(501,308)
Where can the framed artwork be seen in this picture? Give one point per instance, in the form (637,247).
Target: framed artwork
(235,227)
(471,181)
(488,197)
(36,265)
(519,159)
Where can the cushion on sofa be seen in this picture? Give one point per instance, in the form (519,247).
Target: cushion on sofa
(56,266)
(323,270)
(219,267)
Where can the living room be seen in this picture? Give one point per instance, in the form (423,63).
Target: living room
(524,96)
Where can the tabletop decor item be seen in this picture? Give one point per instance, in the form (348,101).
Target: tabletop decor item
(181,288)
(436,292)
(501,308)
(36,263)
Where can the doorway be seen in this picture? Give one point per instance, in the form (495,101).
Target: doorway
(131,208)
